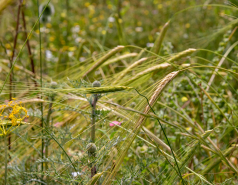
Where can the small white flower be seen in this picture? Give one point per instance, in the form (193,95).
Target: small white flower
(75,29)
(75,174)
(149,45)
(78,39)
(81,59)
(70,54)
(48,54)
(111,19)
(185,35)
(139,29)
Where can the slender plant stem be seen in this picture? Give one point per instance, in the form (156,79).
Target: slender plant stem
(5,141)
(93,118)
(47,139)
(41,104)
(51,135)
(28,46)
(5,81)
(93,129)
(67,19)
(11,61)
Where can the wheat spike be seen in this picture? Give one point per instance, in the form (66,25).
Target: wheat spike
(147,71)
(181,55)
(113,60)
(164,82)
(103,59)
(124,72)
(160,38)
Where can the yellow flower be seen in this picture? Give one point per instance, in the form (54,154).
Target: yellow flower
(184,99)
(52,38)
(8,46)
(160,6)
(48,25)
(16,116)
(63,14)
(72,48)
(104,32)
(187,25)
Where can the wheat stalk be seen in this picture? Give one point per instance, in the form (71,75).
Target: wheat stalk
(147,71)
(165,81)
(103,59)
(122,57)
(181,55)
(124,72)
(91,90)
(160,38)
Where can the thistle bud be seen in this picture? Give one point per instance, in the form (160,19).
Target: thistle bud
(48,9)
(96,84)
(53,85)
(91,149)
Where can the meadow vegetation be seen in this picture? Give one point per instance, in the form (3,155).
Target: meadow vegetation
(118,92)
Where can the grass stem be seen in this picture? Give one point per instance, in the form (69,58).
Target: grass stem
(5,141)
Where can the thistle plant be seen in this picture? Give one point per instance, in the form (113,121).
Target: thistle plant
(91,147)
(51,97)
(48,11)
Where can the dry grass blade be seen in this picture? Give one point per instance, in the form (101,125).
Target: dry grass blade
(4,3)
(95,179)
(219,65)
(36,100)
(156,139)
(103,59)
(20,68)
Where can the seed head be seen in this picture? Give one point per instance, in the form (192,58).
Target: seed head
(48,9)
(96,84)
(53,85)
(91,149)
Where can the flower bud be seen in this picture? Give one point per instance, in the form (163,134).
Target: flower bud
(48,9)
(91,149)
(53,85)
(96,84)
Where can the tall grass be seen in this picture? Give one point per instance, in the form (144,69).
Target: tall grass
(165,111)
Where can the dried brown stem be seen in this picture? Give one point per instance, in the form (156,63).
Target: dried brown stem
(28,46)
(13,53)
